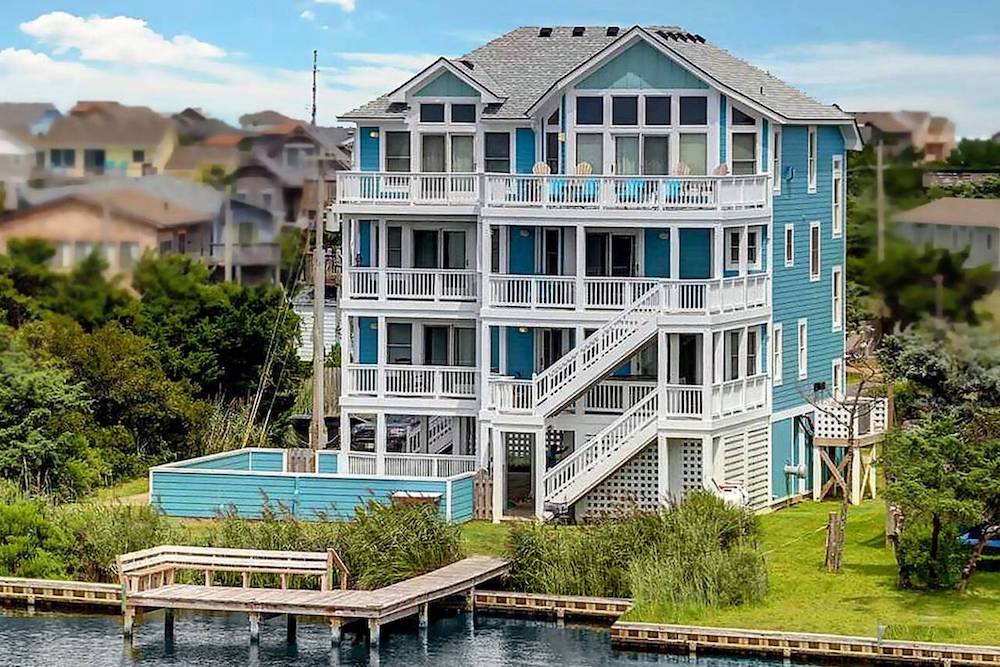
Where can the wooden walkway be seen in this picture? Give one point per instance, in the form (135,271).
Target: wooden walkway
(31,591)
(384,605)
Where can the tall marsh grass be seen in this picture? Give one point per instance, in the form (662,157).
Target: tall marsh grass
(701,553)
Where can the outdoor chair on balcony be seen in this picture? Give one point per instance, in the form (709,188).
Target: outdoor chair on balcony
(587,189)
(556,186)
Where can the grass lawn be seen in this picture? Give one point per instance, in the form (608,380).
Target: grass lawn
(804,597)
(127,491)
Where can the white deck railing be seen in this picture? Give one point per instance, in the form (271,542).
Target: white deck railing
(407,188)
(678,296)
(741,395)
(615,396)
(556,191)
(658,193)
(412,381)
(413,284)
(411,465)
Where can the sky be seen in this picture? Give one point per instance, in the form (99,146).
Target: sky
(230,57)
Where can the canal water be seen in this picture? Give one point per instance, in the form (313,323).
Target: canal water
(60,640)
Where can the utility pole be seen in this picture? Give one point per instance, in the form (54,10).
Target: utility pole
(880,199)
(227,238)
(317,429)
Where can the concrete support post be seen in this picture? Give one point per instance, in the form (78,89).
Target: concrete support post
(291,628)
(254,617)
(538,470)
(662,469)
(499,474)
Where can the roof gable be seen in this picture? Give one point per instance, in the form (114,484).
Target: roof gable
(446,84)
(640,67)
(433,71)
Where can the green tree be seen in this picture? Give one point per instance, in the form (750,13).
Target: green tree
(31,544)
(214,176)
(932,474)
(26,281)
(88,296)
(39,448)
(975,154)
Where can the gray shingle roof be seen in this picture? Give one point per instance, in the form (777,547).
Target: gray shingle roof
(22,114)
(522,66)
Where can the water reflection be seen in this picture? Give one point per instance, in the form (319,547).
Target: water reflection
(209,640)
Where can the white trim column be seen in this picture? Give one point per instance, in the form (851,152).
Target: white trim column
(581,267)
(380,443)
(675,252)
(538,472)
(719,256)
(499,469)
(382,255)
(662,469)
(707,375)
(707,463)
(662,370)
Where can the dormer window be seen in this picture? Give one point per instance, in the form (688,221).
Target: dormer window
(431,113)
(463,113)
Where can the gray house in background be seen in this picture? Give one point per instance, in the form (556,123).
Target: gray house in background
(955,224)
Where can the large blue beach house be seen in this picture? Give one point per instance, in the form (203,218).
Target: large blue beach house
(604,264)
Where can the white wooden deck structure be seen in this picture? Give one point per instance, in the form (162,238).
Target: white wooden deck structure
(148,582)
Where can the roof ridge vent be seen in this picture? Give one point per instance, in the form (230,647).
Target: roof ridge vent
(545,32)
(612,31)
(578,31)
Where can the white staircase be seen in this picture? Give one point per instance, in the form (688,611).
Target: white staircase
(602,454)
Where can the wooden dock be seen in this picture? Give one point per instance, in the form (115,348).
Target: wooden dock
(797,645)
(558,606)
(149,582)
(49,591)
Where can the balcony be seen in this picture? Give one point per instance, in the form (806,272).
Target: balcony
(405,381)
(247,254)
(413,284)
(554,192)
(614,294)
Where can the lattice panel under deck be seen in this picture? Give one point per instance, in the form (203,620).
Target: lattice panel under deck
(691,475)
(634,484)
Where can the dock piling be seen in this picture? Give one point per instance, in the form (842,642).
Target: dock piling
(423,614)
(168,625)
(291,628)
(374,627)
(254,626)
(335,630)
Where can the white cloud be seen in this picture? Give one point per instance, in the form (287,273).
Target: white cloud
(346,5)
(172,73)
(308,15)
(117,39)
(862,76)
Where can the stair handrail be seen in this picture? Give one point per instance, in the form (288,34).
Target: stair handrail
(650,300)
(648,406)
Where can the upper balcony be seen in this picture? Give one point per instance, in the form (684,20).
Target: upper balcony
(463,193)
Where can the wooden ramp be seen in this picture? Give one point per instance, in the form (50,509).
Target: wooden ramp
(384,605)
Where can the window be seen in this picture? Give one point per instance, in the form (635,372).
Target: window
(777,352)
(744,153)
(397,151)
(753,249)
(81,251)
(462,160)
(63,257)
(803,350)
(656,155)
(40,159)
(463,113)
(625,110)
(694,110)
(811,158)
(789,245)
(751,352)
(139,156)
(495,243)
(694,153)
(590,111)
(733,355)
(399,341)
(814,256)
(465,346)
(62,157)
(394,247)
(431,113)
(837,185)
(246,233)
(128,255)
(837,378)
(733,245)
(498,152)
(590,149)
(776,160)
(740,118)
(657,110)
(266,199)
(552,151)
(837,292)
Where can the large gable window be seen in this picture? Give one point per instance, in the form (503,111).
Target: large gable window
(694,110)
(463,113)
(740,118)
(625,110)
(590,110)
(657,110)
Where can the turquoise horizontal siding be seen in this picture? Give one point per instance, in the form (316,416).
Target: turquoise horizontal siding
(793,294)
(641,67)
(784,450)
(462,499)
(238,460)
(267,461)
(327,464)
(309,497)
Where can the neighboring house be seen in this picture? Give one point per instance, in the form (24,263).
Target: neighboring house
(193,126)
(996,137)
(33,118)
(17,160)
(279,161)
(263,120)
(902,130)
(605,265)
(108,138)
(255,255)
(190,161)
(956,224)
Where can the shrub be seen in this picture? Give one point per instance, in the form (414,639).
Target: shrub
(388,543)
(31,544)
(915,559)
